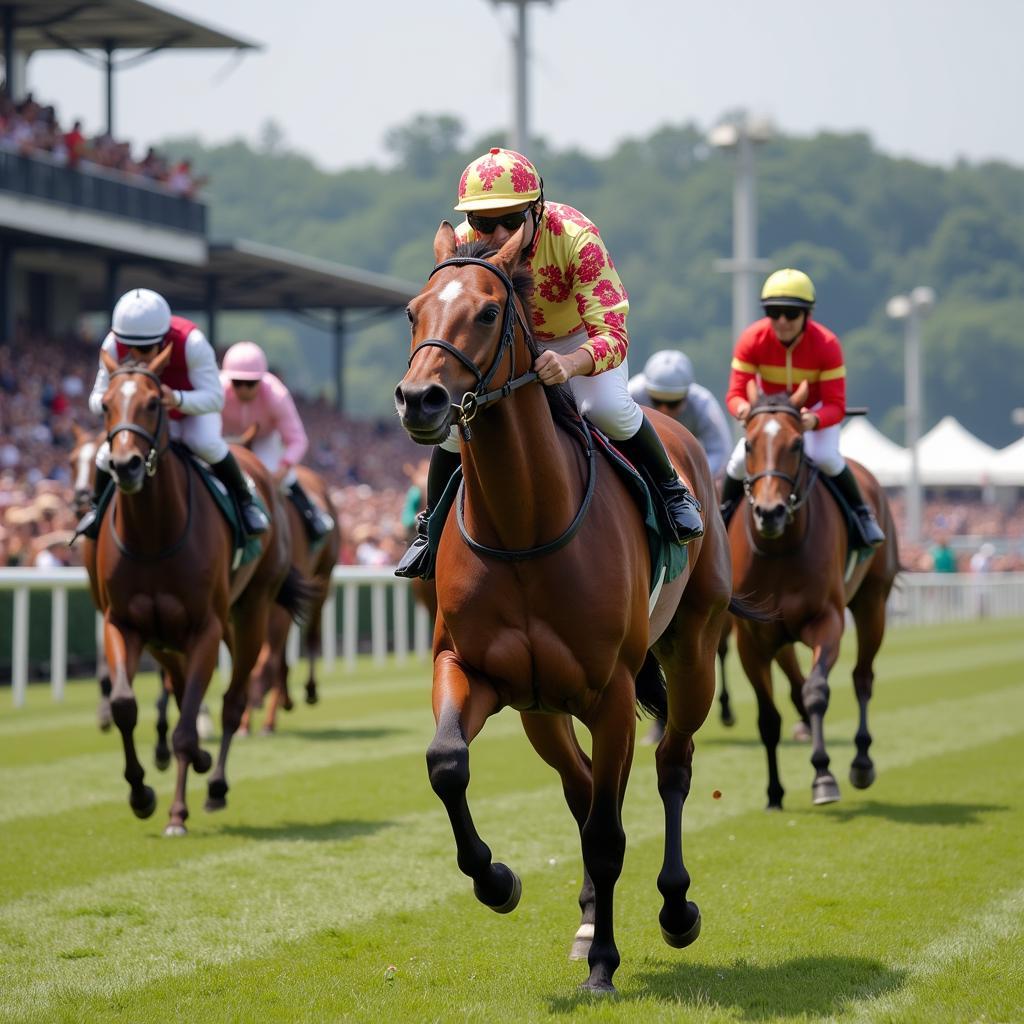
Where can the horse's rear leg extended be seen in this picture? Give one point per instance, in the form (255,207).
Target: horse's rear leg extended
(823,635)
(555,741)
(462,703)
(725,704)
(758,668)
(123,651)
(868,610)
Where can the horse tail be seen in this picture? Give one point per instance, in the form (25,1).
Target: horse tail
(651,695)
(297,595)
(750,610)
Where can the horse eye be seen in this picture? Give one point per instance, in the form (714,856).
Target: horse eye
(152,404)
(489,315)
(105,408)
(408,314)
(747,446)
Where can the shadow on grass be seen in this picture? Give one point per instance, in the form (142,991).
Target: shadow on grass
(807,986)
(321,832)
(367,733)
(917,814)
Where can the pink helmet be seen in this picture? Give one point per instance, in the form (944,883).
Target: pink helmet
(245,361)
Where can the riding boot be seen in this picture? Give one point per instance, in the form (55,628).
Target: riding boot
(418,561)
(732,494)
(318,524)
(645,449)
(89,526)
(870,531)
(229,473)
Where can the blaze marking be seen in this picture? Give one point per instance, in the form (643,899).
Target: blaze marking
(450,291)
(771,428)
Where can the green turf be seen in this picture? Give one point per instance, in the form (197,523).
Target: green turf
(328,889)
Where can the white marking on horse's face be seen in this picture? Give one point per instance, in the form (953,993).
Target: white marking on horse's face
(771,428)
(450,291)
(128,389)
(83,465)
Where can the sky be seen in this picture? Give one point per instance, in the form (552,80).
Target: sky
(932,81)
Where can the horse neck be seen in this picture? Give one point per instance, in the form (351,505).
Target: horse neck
(154,519)
(522,485)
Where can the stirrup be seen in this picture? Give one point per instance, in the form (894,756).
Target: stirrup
(88,526)
(253,518)
(684,510)
(417,562)
(870,532)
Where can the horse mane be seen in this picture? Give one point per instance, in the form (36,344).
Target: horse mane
(563,406)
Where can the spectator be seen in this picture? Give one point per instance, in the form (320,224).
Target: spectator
(943,556)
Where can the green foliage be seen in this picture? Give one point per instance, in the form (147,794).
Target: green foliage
(863,224)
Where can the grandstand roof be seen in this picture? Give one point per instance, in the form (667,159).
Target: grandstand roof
(122,24)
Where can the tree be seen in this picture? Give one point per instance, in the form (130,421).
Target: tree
(421,144)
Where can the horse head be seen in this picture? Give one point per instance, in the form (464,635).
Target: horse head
(463,322)
(83,466)
(134,418)
(774,457)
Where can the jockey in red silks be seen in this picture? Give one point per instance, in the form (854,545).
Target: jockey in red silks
(255,397)
(579,324)
(778,352)
(141,327)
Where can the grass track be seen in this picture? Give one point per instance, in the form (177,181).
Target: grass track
(328,889)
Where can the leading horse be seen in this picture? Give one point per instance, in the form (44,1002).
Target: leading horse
(161,574)
(790,543)
(543,588)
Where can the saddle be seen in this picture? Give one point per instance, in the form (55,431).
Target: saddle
(857,549)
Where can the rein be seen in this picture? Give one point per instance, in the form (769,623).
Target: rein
(796,499)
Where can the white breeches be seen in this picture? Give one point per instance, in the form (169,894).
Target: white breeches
(820,445)
(604,399)
(201,434)
(269,451)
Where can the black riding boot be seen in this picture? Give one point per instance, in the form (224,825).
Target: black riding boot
(418,562)
(732,495)
(645,449)
(229,473)
(89,525)
(318,524)
(869,528)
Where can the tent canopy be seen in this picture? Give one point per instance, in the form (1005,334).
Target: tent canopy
(866,444)
(951,456)
(1007,466)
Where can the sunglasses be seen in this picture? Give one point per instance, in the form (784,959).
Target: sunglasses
(786,312)
(666,403)
(488,225)
(244,383)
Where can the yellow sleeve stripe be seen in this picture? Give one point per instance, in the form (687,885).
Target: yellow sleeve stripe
(833,374)
(738,364)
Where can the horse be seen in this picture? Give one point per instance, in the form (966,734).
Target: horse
(543,581)
(790,542)
(161,573)
(270,676)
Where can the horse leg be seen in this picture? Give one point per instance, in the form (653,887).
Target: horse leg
(786,659)
(726,715)
(272,665)
(123,652)
(162,753)
(462,702)
(200,662)
(868,610)
(312,653)
(769,721)
(822,635)
(612,725)
(555,741)
(104,717)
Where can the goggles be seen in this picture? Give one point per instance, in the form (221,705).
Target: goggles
(786,312)
(488,225)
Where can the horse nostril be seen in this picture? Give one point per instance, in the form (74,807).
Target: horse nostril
(435,399)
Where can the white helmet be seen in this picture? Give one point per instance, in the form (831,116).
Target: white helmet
(141,318)
(668,375)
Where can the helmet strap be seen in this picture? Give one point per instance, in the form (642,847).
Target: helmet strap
(536,214)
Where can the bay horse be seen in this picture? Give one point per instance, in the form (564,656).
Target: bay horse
(161,574)
(543,585)
(790,542)
(316,564)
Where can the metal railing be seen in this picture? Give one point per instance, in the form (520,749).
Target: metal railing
(918,599)
(99,190)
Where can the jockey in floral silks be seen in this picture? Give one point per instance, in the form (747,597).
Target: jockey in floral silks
(668,384)
(780,351)
(579,323)
(255,397)
(141,327)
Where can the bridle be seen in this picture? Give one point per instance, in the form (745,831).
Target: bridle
(473,401)
(154,453)
(797,498)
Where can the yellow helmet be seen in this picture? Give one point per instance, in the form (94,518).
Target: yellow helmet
(788,287)
(501,177)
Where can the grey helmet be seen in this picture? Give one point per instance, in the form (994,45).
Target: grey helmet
(668,375)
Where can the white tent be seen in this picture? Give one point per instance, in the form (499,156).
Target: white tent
(1007,466)
(864,443)
(950,456)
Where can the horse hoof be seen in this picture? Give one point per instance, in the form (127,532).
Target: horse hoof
(175,831)
(162,758)
(288,704)
(144,807)
(202,762)
(512,902)
(267,730)
(825,790)
(241,732)
(599,987)
(312,697)
(582,942)
(774,807)
(801,733)
(684,939)
(204,726)
(728,719)
(104,716)
(215,804)
(861,776)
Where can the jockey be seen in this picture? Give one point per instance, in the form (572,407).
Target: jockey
(252,395)
(141,327)
(668,385)
(781,350)
(579,320)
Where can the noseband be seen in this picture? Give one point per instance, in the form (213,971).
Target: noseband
(796,499)
(473,401)
(152,439)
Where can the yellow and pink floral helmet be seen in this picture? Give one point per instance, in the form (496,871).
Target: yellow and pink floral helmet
(501,177)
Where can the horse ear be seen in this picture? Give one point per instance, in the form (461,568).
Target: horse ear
(799,396)
(108,360)
(159,363)
(444,242)
(752,393)
(508,255)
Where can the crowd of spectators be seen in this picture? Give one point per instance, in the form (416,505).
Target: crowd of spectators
(369,465)
(31,129)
